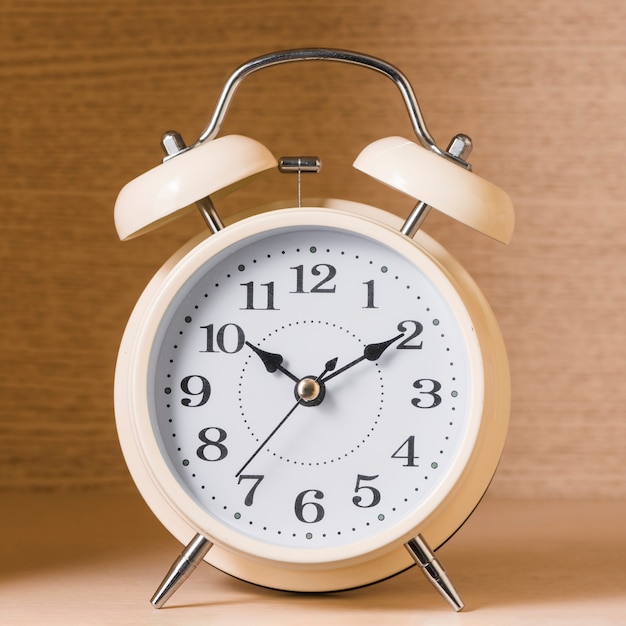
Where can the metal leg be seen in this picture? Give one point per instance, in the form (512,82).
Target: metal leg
(181,570)
(433,570)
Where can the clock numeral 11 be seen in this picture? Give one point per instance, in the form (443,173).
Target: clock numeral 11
(269,297)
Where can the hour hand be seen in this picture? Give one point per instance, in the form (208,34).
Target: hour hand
(272,361)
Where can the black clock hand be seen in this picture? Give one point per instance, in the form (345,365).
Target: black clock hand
(291,410)
(272,361)
(371,352)
(307,391)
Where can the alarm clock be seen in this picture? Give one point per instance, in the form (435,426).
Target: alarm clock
(313,396)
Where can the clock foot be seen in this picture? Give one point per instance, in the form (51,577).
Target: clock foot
(181,570)
(433,570)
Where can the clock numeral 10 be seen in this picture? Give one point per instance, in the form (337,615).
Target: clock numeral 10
(229,338)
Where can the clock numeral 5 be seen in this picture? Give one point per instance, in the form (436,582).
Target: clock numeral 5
(374,493)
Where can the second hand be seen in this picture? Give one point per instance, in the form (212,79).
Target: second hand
(330,365)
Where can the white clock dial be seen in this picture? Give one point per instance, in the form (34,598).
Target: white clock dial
(315,391)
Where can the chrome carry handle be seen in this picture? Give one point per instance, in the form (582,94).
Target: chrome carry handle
(327,54)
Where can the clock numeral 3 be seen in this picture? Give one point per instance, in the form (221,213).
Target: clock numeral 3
(435,398)
(218,450)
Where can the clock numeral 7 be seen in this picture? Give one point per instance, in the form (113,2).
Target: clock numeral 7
(257,478)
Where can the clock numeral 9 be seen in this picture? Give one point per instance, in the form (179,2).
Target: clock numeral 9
(188,386)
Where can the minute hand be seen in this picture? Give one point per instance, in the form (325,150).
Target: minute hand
(371,352)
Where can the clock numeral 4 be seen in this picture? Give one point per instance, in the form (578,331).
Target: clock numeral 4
(407,451)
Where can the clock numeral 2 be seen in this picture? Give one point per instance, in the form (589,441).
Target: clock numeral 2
(269,297)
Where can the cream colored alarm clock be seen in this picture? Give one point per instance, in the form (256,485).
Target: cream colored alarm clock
(316,397)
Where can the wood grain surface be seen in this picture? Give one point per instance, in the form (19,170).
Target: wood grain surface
(87,88)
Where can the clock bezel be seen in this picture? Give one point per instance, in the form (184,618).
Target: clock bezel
(331,568)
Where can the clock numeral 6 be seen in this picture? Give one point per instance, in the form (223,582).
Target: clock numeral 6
(314,510)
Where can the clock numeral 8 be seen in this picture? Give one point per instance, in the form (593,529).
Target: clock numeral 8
(219,448)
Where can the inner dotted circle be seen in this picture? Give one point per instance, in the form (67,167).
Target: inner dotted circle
(349,447)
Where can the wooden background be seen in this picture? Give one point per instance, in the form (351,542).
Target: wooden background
(87,88)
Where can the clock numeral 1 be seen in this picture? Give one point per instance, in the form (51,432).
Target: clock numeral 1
(269,301)
(370,295)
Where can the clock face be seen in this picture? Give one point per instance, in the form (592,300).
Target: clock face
(312,390)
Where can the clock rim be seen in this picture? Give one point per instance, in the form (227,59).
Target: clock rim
(441,522)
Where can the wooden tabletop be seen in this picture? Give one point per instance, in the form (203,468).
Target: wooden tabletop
(97,558)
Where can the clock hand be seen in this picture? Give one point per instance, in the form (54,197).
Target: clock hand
(291,410)
(371,352)
(307,391)
(272,361)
